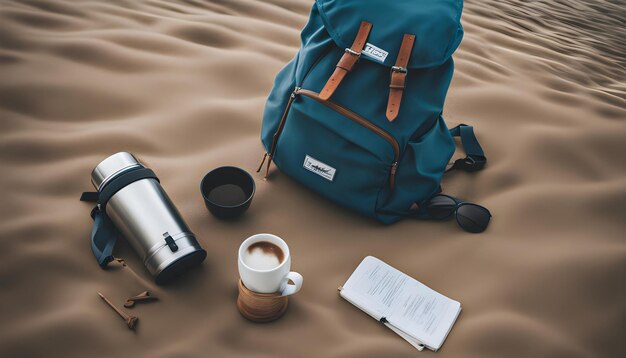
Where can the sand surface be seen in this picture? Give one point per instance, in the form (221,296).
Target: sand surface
(182,84)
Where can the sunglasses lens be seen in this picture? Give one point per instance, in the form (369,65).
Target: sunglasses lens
(440,207)
(473,218)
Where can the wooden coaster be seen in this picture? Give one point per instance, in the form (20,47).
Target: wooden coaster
(260,307)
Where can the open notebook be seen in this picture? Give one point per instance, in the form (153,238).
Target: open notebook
(416,313)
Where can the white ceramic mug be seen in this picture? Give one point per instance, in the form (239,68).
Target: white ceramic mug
(275,280)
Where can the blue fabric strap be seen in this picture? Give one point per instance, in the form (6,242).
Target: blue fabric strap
(104,234)
(121,182)
(475,159)
(103,237)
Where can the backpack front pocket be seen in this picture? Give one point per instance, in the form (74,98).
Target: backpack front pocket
(335,152)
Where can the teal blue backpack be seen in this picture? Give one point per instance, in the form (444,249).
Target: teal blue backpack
(356,115)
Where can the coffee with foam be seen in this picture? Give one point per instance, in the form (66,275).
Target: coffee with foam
(263,255)
(264,263)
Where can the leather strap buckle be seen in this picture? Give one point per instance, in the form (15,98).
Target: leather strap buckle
(350,57)
(352,52)
(398,78)
(399,74)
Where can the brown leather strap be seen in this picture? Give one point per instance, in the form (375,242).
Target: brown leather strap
(398,77)
(347,61)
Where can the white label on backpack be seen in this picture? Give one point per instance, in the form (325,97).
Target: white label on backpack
(374,52)
(324,170)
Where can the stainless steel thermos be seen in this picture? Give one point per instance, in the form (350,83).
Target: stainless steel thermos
(131,199)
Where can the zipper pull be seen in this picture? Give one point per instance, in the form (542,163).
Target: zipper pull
(392,177)
(268,156)
(262,161)
(267,169)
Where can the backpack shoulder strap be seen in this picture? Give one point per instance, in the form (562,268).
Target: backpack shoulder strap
(398,77)
(475,159)
(347,61)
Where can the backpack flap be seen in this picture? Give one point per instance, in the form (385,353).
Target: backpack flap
(435,24)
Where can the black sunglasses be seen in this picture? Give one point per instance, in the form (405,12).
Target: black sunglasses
(470,217)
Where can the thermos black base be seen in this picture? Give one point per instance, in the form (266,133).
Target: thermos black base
(180,266)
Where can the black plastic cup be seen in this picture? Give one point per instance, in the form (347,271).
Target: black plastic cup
(227,191)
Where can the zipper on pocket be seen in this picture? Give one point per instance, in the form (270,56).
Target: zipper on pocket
(282,121)
(346,113)
(365,123)
(279,130)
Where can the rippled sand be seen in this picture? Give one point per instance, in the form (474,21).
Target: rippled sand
(182,84)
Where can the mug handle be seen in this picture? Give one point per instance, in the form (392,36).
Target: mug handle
(297,283)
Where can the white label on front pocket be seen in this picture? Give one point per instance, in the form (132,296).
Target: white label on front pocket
(324,170)
(374,52)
